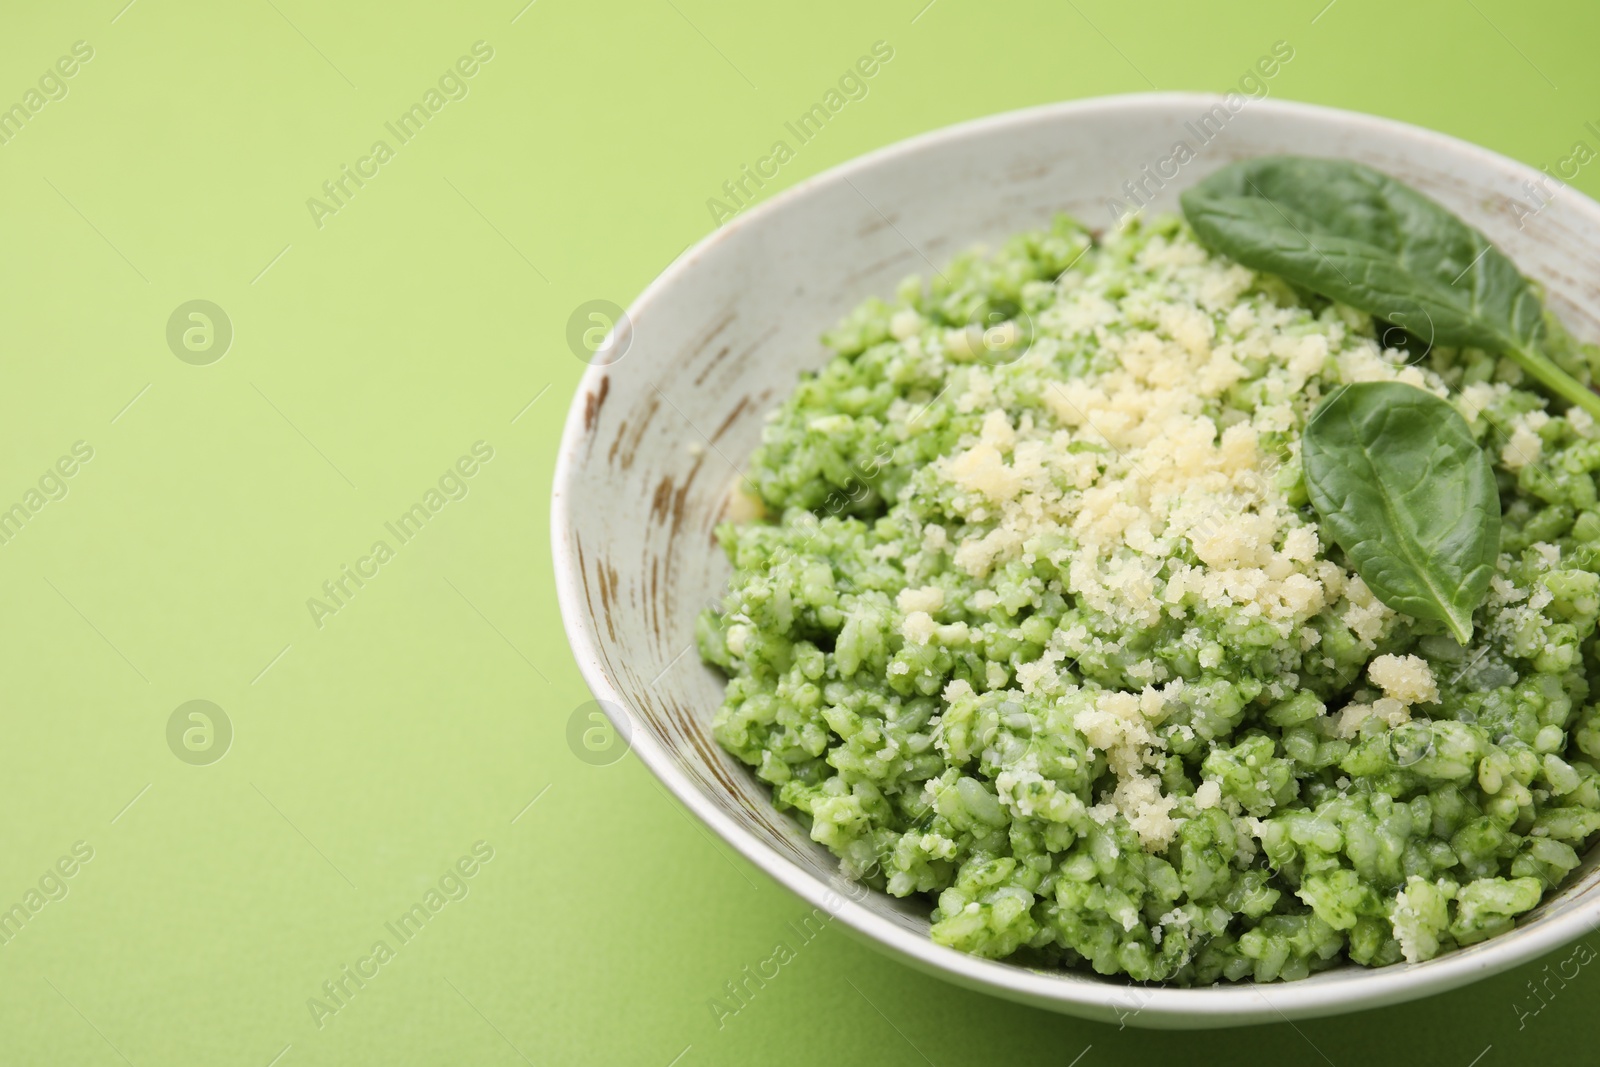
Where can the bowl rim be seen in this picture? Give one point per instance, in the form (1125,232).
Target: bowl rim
(1241,1003)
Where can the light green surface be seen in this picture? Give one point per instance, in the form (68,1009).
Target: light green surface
(425,715)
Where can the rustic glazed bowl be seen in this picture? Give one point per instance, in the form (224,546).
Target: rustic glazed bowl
(655,437)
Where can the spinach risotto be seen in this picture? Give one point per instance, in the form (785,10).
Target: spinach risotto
(1082,595)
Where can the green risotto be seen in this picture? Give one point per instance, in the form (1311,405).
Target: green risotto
(1031,617)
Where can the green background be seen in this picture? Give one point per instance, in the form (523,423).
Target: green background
(370,753)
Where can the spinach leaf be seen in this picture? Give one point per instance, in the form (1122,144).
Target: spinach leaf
(1401,485)
(1359,236)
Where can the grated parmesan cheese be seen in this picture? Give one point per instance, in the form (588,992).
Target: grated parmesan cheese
(1407,679)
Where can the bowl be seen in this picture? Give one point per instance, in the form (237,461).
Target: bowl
(657,434)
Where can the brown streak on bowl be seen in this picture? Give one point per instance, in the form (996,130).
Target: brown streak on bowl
(630,448)
(594,401)
(733,416)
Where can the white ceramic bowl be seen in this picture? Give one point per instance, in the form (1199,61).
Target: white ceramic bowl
(654,440)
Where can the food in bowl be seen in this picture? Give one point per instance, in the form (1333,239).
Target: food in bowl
(1152,611)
